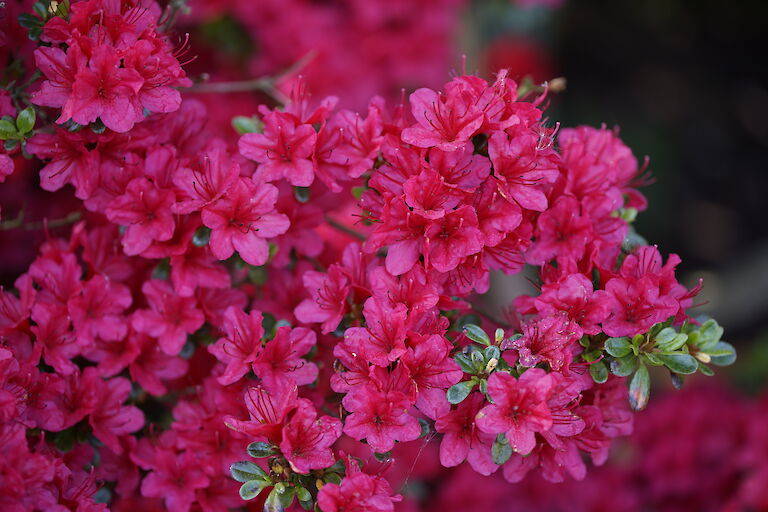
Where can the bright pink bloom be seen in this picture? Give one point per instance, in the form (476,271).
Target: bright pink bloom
(551,339)
(446,120)
(174,477)
(110,418)
(519,408)
(145,210)
(562,233)
(451,238)
(241,345)
(637,306)
(284,150)
(242,220)
(170,317)
(307,439)
(280,359)
(267,409)
(433,371)
(463,440)
(205,181)
(383,340)
(358,492)
(96,311)
(328,298)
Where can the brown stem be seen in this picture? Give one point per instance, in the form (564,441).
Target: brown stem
(344,229)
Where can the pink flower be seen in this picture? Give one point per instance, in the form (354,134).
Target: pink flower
(96,311)
(450,239)
(280,359)
(463,440)
(551,339)
(104,90)
(328,302)
(380,418)
(446,121)
(170,317)
(519,408)
(383,340)
(205,181)
(241,221)
(637,306)
(267,409)
(307,439)
(358,492)
(562,233)
(174,477)
(284,150)
(110,418)
(432,369)
(146,211)
(241,345)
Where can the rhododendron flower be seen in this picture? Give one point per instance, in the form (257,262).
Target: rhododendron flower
(242,220)
(445,121)
(241,345)
(280,358)
(267,408)
(307,439)
(462,439)
(519,408)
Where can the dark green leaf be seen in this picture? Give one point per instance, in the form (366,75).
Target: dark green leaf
(684,364)
(624,366)
(640,389)
(246,470)
(303,494)
(426,428)
(599,372)
(709,334)
(501,451)
(706,370)
(458,392)
(382,457)
(618,347)
(7,130)
(465,363)
(476,334)
(252,488)
(726,354)
(274,501)
(260,450)
(491,352)
(301,194)
(25,121)
(29,21)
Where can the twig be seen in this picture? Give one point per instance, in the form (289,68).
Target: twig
(18,222)
(265,84)
(344,229)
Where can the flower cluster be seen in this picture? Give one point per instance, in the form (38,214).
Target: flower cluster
(307,295)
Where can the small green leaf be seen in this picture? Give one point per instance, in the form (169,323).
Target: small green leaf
(332,478)
(684,364)
(498,335)
(426,428)
(301,194)
(382,457)
(491,352)
(640,389)
(709,334)
(465,363)
(303,494)
(357,192)
(723,354)
(274,501)
(476,334)
(501,451)
(243,125)
(253,488)
(618,347)
(624,366)
(246,470)
(599,372)
(458,392)
(706,370)
(202,236)
(25,121)
(260,450)
(7,130)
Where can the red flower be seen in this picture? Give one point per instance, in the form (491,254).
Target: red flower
(307,439)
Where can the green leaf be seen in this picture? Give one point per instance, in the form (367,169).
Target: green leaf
(624,366)
(618,347)
(301,194)
(726,354)
(243,125)
(684,364)
(669,340)
(476,334)
(599,372)
(25,121)
(357,192)
(259,450)
(382,457)
(29,21)
(274,501)
(426,428)
(498,335)
(465,363)
(253,488)
(491,352)
(706,370)
(709,334)
(640,389)
(332,478)
(7,130)
(458,392)
(501,451)
(303,494)
(246,470)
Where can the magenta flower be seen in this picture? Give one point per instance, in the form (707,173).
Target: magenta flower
(383,340)
(450,239)
(145,210)
(284,150)
(267,409)
(110,418)
(206,181)
(358,492)
(242,220)
(328,298)
(97,311)
(551,339)
(170,318)
(519,408)
(446,121)
(174,477)
(307,439)
(562,233)
(433,370)
(240,346)
(463,440)
(280,359)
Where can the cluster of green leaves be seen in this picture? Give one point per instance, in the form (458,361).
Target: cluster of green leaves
(43,10)
(682,351)
(478,360)
(13,131)
(284,486)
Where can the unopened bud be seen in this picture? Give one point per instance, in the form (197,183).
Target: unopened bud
(319,484)
(492,364)
(558,84)
(703,357)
